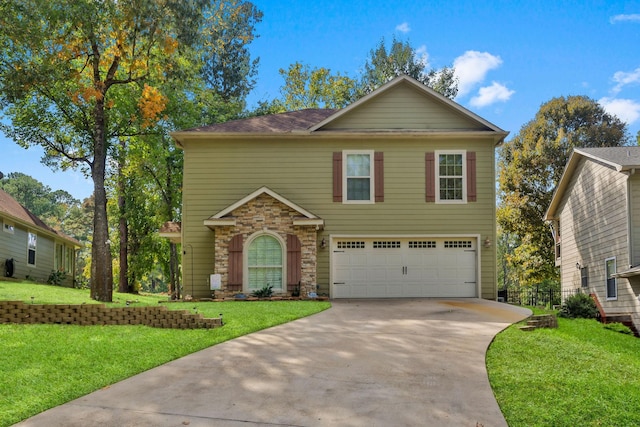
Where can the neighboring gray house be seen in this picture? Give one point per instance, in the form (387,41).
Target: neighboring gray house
(595,214)
(31,249)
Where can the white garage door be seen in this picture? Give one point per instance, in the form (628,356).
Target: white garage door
(404,268)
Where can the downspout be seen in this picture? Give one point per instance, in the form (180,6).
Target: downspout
(630,246)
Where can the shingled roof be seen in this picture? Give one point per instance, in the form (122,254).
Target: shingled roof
(14,210)
(277,123)
(619,157)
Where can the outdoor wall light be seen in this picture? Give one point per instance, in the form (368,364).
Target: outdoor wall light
(578,266)
(323,243)
(487,242)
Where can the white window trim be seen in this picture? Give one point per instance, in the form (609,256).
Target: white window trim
(8,227)
(464,176)
(245,260)
(35,249)
(606,279)
(372,186)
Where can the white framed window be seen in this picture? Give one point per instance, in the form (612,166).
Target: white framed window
(611,282)
(358,176)
(451,176)
(265,262)
(8,227)
(32,243)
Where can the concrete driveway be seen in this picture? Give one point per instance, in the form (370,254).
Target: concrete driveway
(417,362)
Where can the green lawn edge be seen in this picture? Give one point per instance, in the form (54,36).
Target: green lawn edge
(43,366)
(580,374)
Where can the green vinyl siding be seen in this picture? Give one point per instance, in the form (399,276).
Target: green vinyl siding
(404,108)
(221,172)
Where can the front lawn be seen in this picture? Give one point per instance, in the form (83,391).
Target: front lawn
(42,366)
(580,374)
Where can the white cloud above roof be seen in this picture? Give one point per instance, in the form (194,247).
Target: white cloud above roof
(472,67)
(634,17)
(491,94)
(403,28)
(623,78)
(626,110)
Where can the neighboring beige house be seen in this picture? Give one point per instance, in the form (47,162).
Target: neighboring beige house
(393,196)
(595,213)
(34,248)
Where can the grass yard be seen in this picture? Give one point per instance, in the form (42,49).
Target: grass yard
(42,366)
(580,374)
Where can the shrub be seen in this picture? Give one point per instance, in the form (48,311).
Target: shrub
(579,305)
(57,277)
(265,292)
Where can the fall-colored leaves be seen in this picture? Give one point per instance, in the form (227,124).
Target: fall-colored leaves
(152,103)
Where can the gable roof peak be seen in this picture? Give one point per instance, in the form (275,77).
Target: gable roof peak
(260,191)
(420,88)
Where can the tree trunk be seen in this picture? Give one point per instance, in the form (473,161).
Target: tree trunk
(123,285)
(101,268)
(173,271)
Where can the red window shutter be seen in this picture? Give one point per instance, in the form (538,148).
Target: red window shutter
(471,177)
(337,177)
(235,262)
(430,176)
(294,261)
(379,176)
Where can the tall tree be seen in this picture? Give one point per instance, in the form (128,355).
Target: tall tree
(228,68)
(383,65)
(530,167)
(71,73)
(151,163)
(315,88)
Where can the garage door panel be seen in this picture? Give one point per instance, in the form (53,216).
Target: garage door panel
(392,268)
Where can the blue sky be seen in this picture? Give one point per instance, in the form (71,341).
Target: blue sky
(510,56)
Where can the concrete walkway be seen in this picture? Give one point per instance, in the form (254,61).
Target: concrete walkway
(418,362)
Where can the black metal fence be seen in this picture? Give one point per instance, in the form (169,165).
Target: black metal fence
(535,297)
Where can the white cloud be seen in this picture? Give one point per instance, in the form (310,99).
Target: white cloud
(491,94)
(403,28)
(626,110)
(634,17)
(472,67)
(422,55)
(622,79)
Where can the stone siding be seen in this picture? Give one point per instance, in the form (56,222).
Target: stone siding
(264,213)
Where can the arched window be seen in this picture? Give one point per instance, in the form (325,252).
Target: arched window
(265,263)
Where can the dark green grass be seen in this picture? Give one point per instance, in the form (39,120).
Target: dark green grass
(580,374)
(42,366)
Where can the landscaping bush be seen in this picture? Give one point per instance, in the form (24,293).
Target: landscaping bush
(579,306)
(265,292)
(57,277)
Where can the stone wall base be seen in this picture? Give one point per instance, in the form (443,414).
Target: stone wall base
(99,314)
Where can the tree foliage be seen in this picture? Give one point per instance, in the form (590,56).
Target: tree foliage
(50,206)
(530,167)
(319,87)
(78,77)
(316,88)
(228,68)
(383,65)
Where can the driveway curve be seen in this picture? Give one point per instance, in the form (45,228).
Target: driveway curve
(400,362)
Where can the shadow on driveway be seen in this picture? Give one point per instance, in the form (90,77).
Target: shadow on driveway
(401,362)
